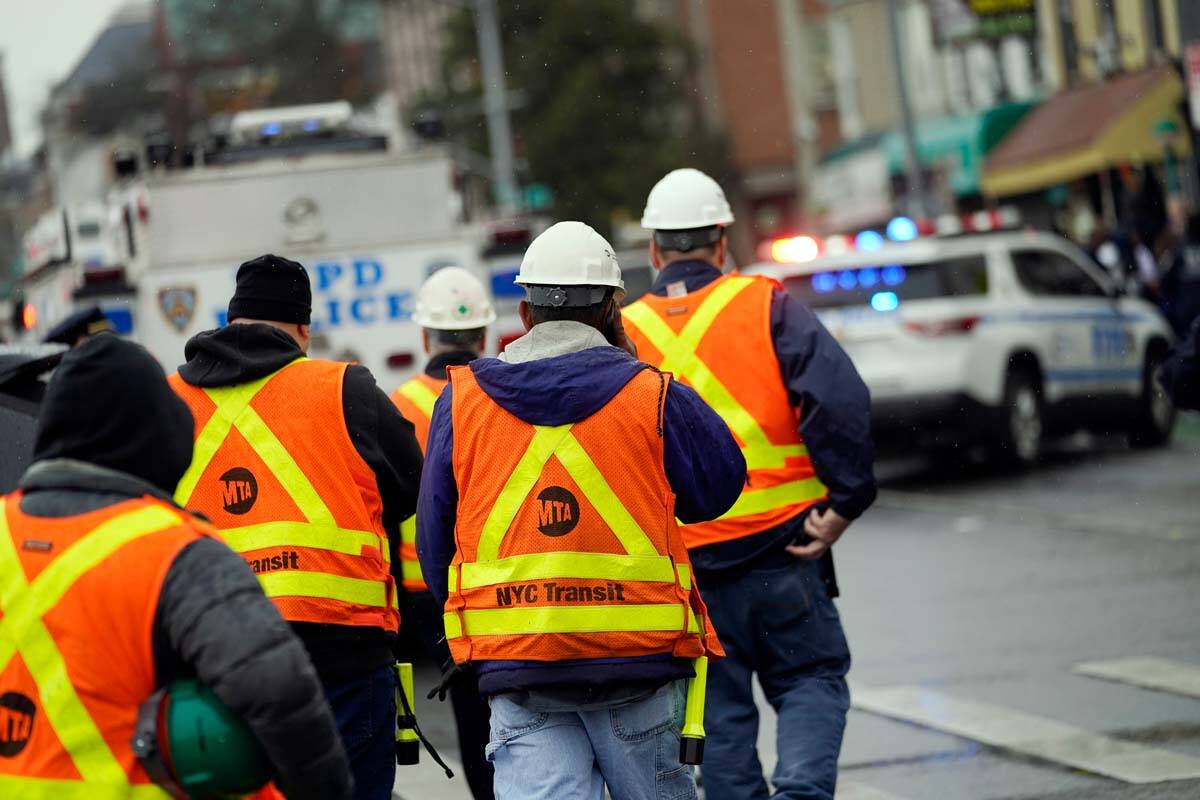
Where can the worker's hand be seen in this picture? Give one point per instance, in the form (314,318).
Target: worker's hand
(824,527)
(616,331)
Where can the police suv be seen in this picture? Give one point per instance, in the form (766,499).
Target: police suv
(998,339)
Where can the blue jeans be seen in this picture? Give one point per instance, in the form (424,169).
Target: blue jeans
(365,709)
(781,625)
(555,755)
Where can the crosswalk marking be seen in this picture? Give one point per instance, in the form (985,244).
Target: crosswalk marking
(1029,734)
(1162,674)
(849,790)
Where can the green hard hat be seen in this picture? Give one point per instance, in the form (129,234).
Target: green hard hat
(206,751)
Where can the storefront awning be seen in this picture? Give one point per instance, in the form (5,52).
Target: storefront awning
(956,146)
(1129,119)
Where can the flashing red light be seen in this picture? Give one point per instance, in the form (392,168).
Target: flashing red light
(942,327)
(838,245)
(400,360)
(795,249)
(508,338)
(28,317)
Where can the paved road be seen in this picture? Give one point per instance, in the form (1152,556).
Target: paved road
(1022,637)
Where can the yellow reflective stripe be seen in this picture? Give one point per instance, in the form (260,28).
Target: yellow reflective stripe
(771,455)
(710,309)
(571,619)
(563,565)
(24,605)
(685,576)
(679,357)
(558,441)
(324,586)
(411,571)
(285,469)
(301,534)
(756,501)
(593,485)
(408,530)
(517,487)
(229,404)
(56,789)
(420,395)
(233,410)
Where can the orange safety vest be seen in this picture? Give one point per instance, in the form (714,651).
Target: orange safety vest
(275,470)
(415,399)
(718,340)
(567,545)
(78,597)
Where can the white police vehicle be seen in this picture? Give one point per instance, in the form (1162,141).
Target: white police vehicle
(999,339)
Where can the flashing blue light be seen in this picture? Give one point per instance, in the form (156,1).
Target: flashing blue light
(902,229)
(868,241)
(824,282)
(885,301)
(311,125)
(271,129)
(847,279)
(894,275)
(868,277)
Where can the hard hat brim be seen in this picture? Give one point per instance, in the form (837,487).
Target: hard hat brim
(453,325)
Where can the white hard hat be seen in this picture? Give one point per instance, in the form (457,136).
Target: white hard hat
(571,254)
(684,199)
(452,299)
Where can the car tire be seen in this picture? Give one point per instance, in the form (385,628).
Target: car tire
(1154,419)
(1022,421)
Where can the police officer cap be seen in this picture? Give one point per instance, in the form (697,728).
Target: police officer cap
(273,289)
(85,322)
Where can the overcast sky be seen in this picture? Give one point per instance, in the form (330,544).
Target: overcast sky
(41,41)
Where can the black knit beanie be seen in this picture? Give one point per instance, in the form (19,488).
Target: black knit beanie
(272,289)
(109,404)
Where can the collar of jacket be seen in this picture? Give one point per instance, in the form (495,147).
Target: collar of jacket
(436,368)
(693,273)
(71,475)
(550,339)
(236,354)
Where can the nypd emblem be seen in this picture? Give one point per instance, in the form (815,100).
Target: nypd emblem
(178,306)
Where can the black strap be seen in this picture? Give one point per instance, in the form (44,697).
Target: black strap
(429,748)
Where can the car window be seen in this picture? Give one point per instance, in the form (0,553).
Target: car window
(885,286)
(1046,273)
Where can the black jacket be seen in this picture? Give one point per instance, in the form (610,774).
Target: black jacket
(240,353)
(213,622)
(1181,372)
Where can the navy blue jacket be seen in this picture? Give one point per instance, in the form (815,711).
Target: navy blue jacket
(1181,372)
(703,464)
(835,423)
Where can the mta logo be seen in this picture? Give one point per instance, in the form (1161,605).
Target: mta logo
(16,723)
(239,490)
(558,511)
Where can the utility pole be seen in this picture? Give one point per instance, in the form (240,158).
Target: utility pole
(495,104)
(918,206)
(796,79)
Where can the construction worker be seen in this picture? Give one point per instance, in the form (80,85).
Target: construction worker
(546,528)
(307,468)
(110,591)
(800,413)
(454,312)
